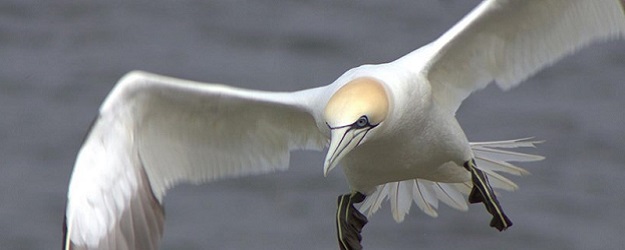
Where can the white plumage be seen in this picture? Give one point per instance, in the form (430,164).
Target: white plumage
(155,131)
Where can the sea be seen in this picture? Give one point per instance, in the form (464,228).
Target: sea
(59,60)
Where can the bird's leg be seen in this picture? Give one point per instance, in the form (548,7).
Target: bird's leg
(349,221)
(483,192)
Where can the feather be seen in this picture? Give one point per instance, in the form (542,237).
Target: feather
(500,182)
(504,155)
(374,201)
(426,194)
(401,199)
(423,195)
(502,166)
(516,143)
(449,195)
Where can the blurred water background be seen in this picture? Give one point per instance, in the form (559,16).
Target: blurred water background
(59,59)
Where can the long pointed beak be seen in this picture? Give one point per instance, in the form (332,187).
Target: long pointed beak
(343,140)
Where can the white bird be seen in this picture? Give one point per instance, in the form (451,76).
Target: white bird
(391,126)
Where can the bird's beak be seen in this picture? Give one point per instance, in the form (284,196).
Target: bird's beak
(343,140)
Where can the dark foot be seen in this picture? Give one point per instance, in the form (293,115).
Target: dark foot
(349,221)
(483,192)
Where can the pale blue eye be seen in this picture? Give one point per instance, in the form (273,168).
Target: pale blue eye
(362,122)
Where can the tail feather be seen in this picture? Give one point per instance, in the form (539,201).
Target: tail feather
(401,199)
(449,195)
(516,143)
(501,166)
(425,197)
(493,150)
(373,202)
(505,155)
(464,188)
(491,157)
(500,182)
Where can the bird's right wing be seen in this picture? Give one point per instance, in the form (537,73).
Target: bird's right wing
(491,157)
(506,41)
(154,131)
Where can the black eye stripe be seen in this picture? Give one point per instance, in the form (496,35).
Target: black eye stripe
(362,122)
(363,137)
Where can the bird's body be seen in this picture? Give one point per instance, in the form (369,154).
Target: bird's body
(391,126)
(426,142)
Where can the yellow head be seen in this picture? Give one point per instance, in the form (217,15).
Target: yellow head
(357,107)
(360,97)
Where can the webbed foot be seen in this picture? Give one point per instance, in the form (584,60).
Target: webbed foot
(483,192)
(349,221)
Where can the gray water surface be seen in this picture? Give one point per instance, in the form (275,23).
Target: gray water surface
(59,60)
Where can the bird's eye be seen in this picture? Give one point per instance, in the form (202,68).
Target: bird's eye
(362,122)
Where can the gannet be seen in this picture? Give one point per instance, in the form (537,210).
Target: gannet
(390,126)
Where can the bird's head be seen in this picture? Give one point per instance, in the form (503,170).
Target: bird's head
(351,113)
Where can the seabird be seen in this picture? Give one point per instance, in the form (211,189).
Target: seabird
(391,127)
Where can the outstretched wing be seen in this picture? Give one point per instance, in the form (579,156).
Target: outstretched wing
(154,131)
(506,41)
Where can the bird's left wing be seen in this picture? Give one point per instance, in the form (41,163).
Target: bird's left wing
(506,41)
(154,131)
